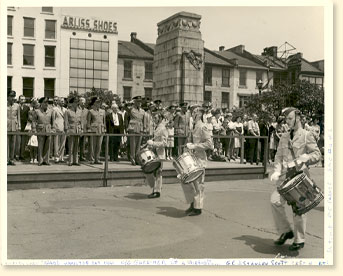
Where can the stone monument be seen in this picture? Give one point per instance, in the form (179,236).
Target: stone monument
(179,60)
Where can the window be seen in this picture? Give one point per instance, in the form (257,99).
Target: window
(9,24)
(50,29)
(208,75)
(127,93)
(148,93)
(243,101)
(225,99)
(9,83)
(47,9)
(88,65)
(28,57)
(29,27)
(28,87)
(49,56)
(225,77)
(208,96)
(242,77)
(49,88)
(148,70)
(259,75)
(127,69)
(9,53)
(319,81)
(312,80)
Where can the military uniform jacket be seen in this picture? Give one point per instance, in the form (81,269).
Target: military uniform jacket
(160,140)
(72,121)
(43,121)
(303,142)
(84,113)
(136,120)
(96,120)
(13,117)
(202,141)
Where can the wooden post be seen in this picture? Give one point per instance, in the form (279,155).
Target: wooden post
(106,162)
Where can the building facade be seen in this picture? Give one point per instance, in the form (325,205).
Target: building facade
(51,53)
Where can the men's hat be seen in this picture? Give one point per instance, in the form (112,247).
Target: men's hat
(184,104)
(157,101)
(72,100)
(288,110)
(43,100)
(93,100)
(11,93)
(137,98)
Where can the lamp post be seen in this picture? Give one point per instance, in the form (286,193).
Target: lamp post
(259,85)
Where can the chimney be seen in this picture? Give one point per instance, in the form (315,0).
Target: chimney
(238,49)
(133,36)
(221,48)
(270,51)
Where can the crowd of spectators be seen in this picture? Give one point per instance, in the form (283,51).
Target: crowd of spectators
(134,121)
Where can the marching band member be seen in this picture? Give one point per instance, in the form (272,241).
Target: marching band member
(305,151)
(160,142)
(202,141)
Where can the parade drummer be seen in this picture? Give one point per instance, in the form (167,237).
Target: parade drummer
(306,152)
(159,143)
(202,141)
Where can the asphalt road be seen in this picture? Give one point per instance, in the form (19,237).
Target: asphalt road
(122,223)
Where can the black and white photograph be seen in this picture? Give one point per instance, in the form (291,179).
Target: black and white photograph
(167,134)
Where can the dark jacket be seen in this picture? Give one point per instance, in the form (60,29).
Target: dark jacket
(24,115)
(110,124)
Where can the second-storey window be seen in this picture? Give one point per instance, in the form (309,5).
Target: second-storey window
(225,100)
(49,56)
(127,69)
(49,88)
(47,9)
(208,96)
(225,77)
(208,75)
(127,93)
(148,93)
(148,71)
(9,53)
(28,87)
(28,57)
(242,77)
(9,24)
(29,27)
(50,29)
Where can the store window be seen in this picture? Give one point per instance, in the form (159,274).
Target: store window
(127,93)
(9,25)
(28,87)
(243,101)
(148,93)
(50,56)
(29,27)
(28,57)
(207,96)
(148,70)
(242,77)
(225,100)
(225,77)
(50,29)
(9,83)
(208,75)
(127,69)
(49,88)
(9,53)
(89,65)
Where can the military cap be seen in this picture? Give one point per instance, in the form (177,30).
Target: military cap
(43,100)
(72,100)
(93,100)
(288,110)
(157,101)
(137,98)
(11,93)
(184,104)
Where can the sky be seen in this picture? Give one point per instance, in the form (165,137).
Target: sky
(254,27)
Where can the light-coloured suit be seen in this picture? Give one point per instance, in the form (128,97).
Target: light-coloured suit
(154,179)
(202,140)
(303,142)
(59,140)
(13,124)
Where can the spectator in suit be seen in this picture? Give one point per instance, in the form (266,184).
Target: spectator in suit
(13,124)
(114,125)
(59,140)
(43,122)
(22,139)
(264,131)
(253,130)
(83,139)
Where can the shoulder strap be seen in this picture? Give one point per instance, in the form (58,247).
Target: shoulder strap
(293,155)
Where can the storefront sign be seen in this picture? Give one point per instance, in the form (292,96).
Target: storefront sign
(95,25)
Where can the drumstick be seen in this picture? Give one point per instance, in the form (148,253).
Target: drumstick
(147,143)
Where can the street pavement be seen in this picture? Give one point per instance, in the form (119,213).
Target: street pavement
(120,222)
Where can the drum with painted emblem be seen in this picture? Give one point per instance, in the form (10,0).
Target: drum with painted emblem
(188,166)
(149,161)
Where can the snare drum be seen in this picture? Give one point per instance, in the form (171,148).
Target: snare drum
(188,166)
(148,161)
(301,193)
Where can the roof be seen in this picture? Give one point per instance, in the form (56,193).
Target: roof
(212,58)
(241,61)
(131,50)
(308,67)
(274,62)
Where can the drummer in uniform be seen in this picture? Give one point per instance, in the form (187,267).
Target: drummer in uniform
(202,141)
(306,153)
(159,142)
